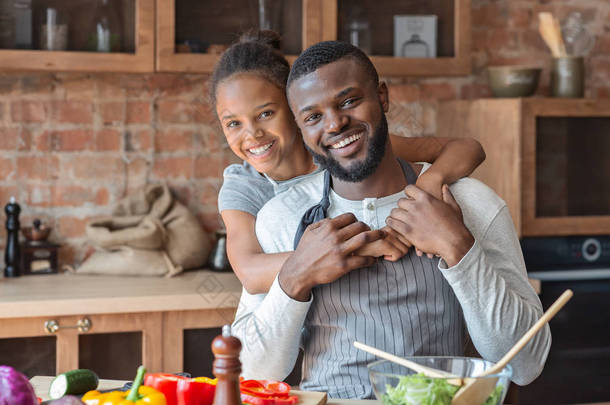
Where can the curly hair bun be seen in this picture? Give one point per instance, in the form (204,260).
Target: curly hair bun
(265,37)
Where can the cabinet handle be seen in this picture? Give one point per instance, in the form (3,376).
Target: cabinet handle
(83,325)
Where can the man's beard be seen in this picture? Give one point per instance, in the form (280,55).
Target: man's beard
(358,171)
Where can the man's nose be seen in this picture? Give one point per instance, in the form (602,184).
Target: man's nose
(335,122)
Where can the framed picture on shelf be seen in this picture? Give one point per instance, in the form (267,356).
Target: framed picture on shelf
(415,36)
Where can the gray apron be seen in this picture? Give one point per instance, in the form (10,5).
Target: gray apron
(406,308)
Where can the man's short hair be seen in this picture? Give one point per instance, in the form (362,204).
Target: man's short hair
(327,52)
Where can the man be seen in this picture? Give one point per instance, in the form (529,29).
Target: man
(326,297)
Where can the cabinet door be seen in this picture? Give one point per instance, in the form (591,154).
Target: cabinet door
(84,35)
(566,187)
(26,346)
(116,344)
(187,338)
(191,34)
(404,38)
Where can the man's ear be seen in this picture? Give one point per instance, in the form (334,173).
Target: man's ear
(384,98)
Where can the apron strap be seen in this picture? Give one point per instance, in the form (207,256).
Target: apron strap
(318,211)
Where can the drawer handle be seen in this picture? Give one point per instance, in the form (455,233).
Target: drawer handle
(83,325)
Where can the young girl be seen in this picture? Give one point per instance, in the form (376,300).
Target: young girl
(248,90)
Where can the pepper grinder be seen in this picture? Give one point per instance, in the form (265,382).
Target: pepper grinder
(12,254)
(226,368)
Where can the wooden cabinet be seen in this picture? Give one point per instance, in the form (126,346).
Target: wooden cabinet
(113,344)
(51,324)
(453,33)
(547,158)
(189,35)
(208,27)
(133,44)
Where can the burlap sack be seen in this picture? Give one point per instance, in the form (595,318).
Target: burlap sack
(149,233)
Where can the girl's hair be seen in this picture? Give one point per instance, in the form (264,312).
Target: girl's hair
(257,51)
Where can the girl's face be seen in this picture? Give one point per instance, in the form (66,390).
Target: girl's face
(257,122)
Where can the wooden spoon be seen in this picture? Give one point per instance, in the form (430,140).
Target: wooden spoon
(477,390)
(411,365)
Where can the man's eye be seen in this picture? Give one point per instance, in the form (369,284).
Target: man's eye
(349,102)
(232,124)
(265,114)
(312,117)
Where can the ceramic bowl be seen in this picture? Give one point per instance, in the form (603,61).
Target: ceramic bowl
(513,81)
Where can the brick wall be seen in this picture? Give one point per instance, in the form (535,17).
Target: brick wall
(71,145)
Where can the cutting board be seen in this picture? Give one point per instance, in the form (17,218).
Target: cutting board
(41,385)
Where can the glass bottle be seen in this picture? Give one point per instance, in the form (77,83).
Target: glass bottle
(107,30)
(23,24)
(7,25)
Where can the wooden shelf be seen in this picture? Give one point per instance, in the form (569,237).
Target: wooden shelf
(140,60)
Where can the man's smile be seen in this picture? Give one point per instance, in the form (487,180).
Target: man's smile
(346,141)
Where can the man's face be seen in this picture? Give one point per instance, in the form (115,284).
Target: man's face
(340,111)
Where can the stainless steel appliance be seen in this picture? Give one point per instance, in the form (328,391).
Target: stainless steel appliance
(578,367)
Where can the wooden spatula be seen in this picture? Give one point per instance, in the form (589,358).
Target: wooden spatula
(476,391)
(550,32)
(411,365)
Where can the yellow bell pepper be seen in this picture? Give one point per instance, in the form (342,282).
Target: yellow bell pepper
(138,395)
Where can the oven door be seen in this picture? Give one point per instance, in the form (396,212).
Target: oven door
(578,366)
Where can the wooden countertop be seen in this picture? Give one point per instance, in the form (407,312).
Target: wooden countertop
(73,294)
(41,385)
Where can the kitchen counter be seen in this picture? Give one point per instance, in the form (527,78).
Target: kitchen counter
(73,294)
(41,385)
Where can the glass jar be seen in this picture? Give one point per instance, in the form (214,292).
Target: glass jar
(359,34)
(53,31)
(106,31)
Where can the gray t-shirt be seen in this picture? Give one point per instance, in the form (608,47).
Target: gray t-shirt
(245,189)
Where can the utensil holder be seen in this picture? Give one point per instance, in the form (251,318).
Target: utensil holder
(568,77)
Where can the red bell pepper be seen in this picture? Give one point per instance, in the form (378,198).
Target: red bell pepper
(265,392)
(196,391)
(166,383)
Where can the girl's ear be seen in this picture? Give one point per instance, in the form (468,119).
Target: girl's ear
(384,99)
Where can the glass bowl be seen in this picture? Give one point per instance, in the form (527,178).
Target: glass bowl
(390,390)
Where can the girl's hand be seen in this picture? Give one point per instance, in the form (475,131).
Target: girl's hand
(391,247)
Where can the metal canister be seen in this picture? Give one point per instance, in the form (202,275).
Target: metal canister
(568,77)
(218,259)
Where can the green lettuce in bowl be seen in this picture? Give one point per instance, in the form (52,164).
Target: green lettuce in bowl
(396,385)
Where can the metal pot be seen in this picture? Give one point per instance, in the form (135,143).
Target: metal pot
(218,259)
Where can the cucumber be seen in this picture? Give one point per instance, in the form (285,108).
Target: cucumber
(73,382)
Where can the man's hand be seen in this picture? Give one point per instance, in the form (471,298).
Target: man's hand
(392,246)
(432,225)
(325,253)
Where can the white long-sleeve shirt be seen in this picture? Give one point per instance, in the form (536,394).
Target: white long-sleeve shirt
(490,284)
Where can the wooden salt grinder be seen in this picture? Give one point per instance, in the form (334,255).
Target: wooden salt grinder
(226,368)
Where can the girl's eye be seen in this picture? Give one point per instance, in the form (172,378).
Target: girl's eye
(232,124)
(312,117)
(266,114)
